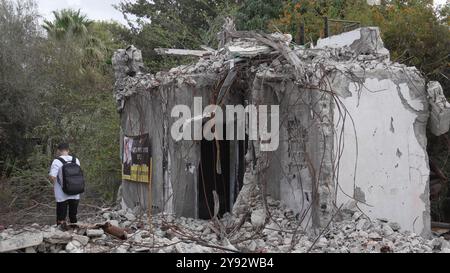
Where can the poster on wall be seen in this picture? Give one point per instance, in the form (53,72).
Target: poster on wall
(137,158)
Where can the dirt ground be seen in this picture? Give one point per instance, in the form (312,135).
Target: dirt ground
(43,213)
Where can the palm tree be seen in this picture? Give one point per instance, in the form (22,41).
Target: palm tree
(68,23)
(74,29)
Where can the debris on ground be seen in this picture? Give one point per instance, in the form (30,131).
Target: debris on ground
(276,231)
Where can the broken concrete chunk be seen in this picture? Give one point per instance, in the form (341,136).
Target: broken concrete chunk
(24,240)
(125,224)
(226,243)
(114,223)
(356,215)
(140,249)
(247,49)
(363,41)
(323,242)
(83,240)
(30,250)
(127,62)
(258,217)
(387,230)
(120,249)
(374,2)
(92,233)
(283,37)
(107,215)
(57,237)
(70,247)
(130,216)
(361,223)
(395,226)
(73,247)
(440,109)
(182,52)
(375,236)
(440,243)
(445,250)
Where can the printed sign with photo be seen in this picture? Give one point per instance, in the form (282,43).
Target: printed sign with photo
(137,158)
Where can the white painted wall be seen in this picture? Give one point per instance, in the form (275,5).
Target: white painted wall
(392,167)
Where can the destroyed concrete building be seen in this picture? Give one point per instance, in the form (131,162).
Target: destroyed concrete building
(352,130)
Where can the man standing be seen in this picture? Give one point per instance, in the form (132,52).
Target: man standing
(63,200)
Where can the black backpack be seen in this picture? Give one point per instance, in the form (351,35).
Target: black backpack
(72,177)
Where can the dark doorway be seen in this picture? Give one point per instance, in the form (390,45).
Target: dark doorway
(242,150)
(210,179)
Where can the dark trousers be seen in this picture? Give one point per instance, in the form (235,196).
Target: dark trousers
(61,210)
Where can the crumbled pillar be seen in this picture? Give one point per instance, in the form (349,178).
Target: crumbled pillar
(440,109)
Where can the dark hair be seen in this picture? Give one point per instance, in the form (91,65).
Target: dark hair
(63,147)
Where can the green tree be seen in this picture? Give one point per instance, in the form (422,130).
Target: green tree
(20,62)
(415,33)
(256,14)
(171,24)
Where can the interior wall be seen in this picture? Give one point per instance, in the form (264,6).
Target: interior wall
(287,176)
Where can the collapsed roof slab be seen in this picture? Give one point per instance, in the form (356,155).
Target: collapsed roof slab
(361,41)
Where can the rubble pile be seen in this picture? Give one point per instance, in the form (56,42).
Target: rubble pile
(353,233)
(256,53)
(360,234)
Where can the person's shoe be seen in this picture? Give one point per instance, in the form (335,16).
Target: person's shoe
(62,226)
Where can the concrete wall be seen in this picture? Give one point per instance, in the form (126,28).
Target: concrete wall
(287,175)
(142,114)
(175,163)
(383,162)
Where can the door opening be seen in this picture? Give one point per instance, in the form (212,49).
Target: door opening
(214,175)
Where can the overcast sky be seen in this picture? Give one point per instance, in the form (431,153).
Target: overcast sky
(440,2)
(96,9)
